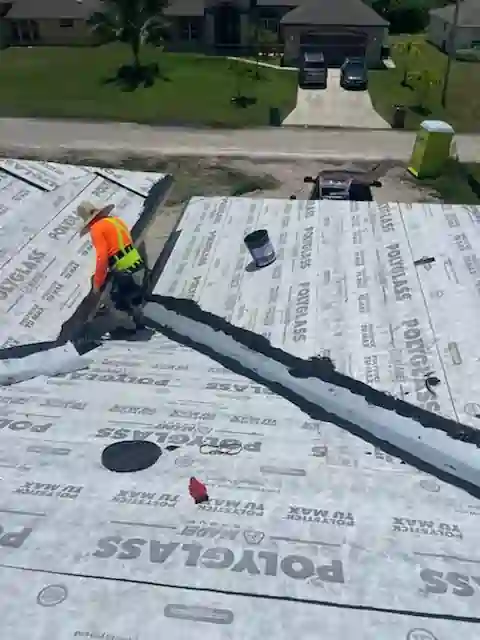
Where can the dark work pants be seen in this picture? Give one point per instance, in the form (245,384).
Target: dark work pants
(128,290)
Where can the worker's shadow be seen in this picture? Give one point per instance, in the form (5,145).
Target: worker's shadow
(104,328)
(141,335)
(83,329)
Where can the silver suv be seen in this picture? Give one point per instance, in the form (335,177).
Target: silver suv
(313,70)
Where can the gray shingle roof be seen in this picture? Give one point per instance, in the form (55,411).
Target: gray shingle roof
(316,12)
(185,8)
(280,3)
(469,14)
(74,9)
(338,12)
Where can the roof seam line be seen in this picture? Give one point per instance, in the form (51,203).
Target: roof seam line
(248,594)
(430,321)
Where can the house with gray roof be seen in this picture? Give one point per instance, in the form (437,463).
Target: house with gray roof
(339,29)
(467,35)
(47,22)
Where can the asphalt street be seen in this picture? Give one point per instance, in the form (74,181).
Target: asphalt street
(50,138)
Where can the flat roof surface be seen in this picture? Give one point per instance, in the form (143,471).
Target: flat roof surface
(303,517)
(309,530)
(351,282)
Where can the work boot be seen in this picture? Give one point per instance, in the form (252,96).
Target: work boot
(138,318)
(121,333)
(129,325)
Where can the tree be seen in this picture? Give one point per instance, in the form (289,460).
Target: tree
(263,41)
(243,73)
(135,22)
(410,51)
(382,7)
(424,81)
(406,16)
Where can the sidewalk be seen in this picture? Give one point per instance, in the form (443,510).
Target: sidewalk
(260,63)
(49,139)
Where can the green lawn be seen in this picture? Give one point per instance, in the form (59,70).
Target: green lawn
(463,107)
(71,83)
(458,184)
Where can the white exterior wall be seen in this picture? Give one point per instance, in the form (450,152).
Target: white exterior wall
(438,34)
(437,31)
(465,37)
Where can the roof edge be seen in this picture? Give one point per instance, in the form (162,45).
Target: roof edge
(428,441)
(382,25)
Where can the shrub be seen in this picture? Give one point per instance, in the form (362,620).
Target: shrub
(406,16)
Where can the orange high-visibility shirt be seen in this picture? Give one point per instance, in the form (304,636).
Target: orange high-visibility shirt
(105,239)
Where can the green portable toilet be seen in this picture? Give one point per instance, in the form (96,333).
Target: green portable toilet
(432,149)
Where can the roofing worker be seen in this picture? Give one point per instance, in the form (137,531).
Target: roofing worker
(115,254)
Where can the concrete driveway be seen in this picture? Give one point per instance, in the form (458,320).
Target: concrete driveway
(335,107)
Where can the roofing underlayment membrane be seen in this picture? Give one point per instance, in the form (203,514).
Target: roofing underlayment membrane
(324,519)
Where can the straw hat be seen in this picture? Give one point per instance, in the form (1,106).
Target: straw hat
(87,211)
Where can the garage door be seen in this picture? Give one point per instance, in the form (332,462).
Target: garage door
(335,46)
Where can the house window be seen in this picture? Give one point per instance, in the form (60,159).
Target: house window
(270,24)
(190,28)
(25,32)
(66,24)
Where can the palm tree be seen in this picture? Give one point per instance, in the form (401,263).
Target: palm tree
(424,81)
(410,50)
(135,22)
(263,41)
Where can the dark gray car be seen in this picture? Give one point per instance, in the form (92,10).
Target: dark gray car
(354,74)
(313,70)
